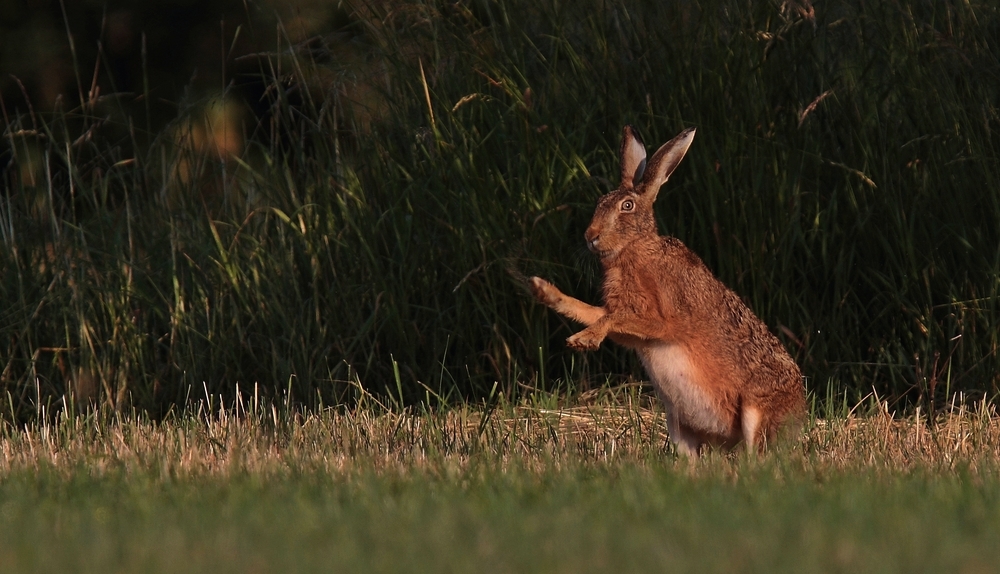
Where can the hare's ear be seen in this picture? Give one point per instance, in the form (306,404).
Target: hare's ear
(665,160)
(633,156)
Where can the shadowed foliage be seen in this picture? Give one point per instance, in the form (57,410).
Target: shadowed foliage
(359,208)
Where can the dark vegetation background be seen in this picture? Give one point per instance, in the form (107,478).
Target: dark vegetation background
(307,199)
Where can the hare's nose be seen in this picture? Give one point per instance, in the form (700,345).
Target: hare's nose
(593,239)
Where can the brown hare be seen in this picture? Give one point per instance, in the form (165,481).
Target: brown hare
(722,375)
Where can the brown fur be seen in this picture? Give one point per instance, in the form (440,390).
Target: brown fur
(722,375)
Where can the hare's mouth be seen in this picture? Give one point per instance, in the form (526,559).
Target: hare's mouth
(597,248)
(594,245)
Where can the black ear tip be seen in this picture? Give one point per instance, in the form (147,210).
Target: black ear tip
(630,132)
(685,137)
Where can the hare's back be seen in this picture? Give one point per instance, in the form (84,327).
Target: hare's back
(716,318)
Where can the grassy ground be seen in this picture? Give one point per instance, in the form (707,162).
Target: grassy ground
(532,486)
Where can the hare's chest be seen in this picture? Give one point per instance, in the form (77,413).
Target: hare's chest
(677,379)
(628,294)
(642,290)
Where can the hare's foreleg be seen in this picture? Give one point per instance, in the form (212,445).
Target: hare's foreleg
(625,325)
(565,305)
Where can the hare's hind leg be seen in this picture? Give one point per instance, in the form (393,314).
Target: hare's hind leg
(750,419)
(685,440)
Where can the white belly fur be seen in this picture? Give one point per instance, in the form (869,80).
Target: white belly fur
(674,376)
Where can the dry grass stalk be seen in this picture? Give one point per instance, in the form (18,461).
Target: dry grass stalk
(462,439)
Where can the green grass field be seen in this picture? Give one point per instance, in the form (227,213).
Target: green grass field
(527,487)
(570,519)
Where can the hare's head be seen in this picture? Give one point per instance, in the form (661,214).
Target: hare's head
(626,214)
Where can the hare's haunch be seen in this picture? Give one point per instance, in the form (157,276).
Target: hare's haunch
(722,375)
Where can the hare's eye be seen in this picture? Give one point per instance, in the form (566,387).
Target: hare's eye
(628,205)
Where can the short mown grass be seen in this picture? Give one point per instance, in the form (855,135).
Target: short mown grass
(533,486)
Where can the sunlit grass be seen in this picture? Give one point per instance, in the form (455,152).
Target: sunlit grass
(536,485)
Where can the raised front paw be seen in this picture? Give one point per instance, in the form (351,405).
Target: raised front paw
(545,292)
(585,340)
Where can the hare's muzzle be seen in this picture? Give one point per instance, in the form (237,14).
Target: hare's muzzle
(593,238)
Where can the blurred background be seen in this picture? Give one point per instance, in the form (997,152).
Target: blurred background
(144,64)
(59,53)
(323,199)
